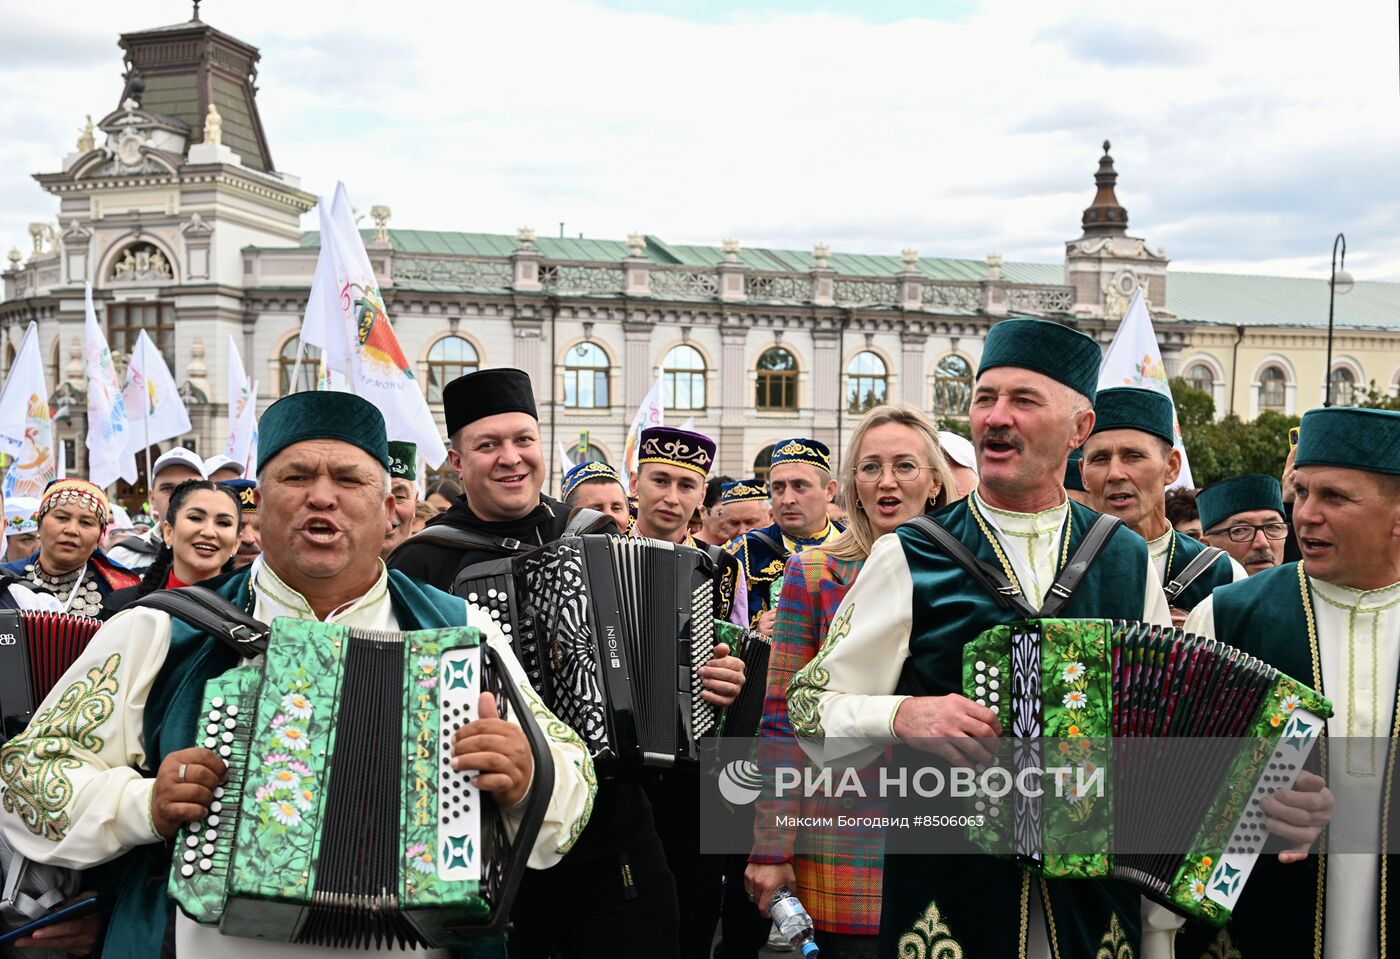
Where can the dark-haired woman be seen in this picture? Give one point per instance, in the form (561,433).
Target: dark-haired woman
(200,534)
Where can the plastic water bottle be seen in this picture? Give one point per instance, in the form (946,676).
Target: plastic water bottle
(794,924)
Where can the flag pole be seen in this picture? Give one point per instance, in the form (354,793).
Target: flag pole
(296,367)
(146,420)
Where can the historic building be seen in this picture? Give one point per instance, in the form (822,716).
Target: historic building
(175,210)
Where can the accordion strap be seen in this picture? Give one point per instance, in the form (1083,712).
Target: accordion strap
(209,612)
(1204,560)
(994,581)
(1085,553)
(774,545)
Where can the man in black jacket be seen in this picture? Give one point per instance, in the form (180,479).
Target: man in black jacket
(494,434)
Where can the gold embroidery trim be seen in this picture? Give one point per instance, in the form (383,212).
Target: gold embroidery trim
(1050,918)
(804,712)
(35,764)
(1319,905)
(1114,944)
(929,938)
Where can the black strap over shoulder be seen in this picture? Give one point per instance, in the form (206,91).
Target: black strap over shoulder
(584,520)
(779,548)
(1203,561)
(1007,593)
(458,538)
(1085,553)
(209,612)
(994,581)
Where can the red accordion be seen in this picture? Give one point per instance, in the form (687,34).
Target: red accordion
(36,648)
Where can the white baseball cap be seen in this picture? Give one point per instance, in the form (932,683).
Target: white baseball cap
(179,456)
(215,463)
(958,449)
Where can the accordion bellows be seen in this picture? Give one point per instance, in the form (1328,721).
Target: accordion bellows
(341,822)
(1153,748)
(36,649)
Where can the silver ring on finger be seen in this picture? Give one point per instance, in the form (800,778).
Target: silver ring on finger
(180,776)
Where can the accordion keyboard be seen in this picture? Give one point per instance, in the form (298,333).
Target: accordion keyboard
(204,846)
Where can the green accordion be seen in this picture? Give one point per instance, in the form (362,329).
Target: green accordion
(340,822)
(1135,752)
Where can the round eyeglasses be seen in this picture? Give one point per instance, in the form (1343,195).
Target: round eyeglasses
(905,471)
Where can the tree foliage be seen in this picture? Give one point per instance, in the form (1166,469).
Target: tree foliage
(1219,449)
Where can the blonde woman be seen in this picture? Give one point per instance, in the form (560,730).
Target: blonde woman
(893,472)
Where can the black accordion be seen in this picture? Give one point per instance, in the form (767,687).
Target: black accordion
(612,632)
(36,649)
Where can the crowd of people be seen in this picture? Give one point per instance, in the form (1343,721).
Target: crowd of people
(865,613)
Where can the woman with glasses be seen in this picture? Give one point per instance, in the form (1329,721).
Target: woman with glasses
(893,472)
(1244,516)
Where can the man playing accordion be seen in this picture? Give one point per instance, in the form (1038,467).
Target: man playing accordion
(107,768)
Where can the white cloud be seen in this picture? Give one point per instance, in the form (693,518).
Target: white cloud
(1246,135)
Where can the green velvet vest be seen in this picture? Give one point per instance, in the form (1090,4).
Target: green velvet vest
(977,902)
(136,928)
(1221,573)
(1281,911)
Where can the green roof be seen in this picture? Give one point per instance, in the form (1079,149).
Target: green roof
(1230,299)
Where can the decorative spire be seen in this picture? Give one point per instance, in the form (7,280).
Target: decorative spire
(195,18)
(1105,216)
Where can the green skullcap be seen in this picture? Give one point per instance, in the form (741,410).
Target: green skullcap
(1133,408)
(1063,354)
(1238,494)
(403,460)
(322,415)
(1354,438)
(1074,478)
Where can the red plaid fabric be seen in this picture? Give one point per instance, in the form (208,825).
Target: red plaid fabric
(838,871)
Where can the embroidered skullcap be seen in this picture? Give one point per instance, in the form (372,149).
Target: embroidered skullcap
(1074,477)
(322,415)
(744,491)
(1357,439)
(78,492)
(802,450)
(586,472)
(1134,408)
(21,515)
(1041,346)
(403,460)
(487,393)
(245,490)
(1238,494)
(672,447)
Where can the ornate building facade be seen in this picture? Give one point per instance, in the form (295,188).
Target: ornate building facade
(188,230)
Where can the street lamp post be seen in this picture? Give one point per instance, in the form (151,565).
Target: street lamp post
(1341,282)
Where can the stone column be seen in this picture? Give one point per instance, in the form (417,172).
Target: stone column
(994,299)
(637,365)
(823,277)
(911,368)
(527,332)
(731,274)
(911,281)
(525,262)
(735,397)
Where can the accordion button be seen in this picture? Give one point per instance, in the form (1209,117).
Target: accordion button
(210,742)
(218,792)
(232,710)
(225,751)
(208,849)
(994,671)
(211,729)
(192,841)
(205,865)
(981,664)
(215,715)
(210,835)
(216,806)
(505,628)
(471,597)
(218,702)
(227,737)
(191,855)
(187,870)
(214,821)
(230,723)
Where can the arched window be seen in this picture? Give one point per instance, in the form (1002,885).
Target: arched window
(1272,392)
(952,386)
(763,462)
(1200,377)
(449,358)
(777,380)
(1343,386)
(310,366)
(683,379)
(866,382)
(586,377)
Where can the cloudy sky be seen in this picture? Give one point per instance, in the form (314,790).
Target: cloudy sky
(1246,134)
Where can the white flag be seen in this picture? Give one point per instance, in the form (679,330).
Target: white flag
(242,408)
(649,414)
(153,403)
(345,317)
(1133,359)
(26,431)
(689,424)
(109,428)
(566,462)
